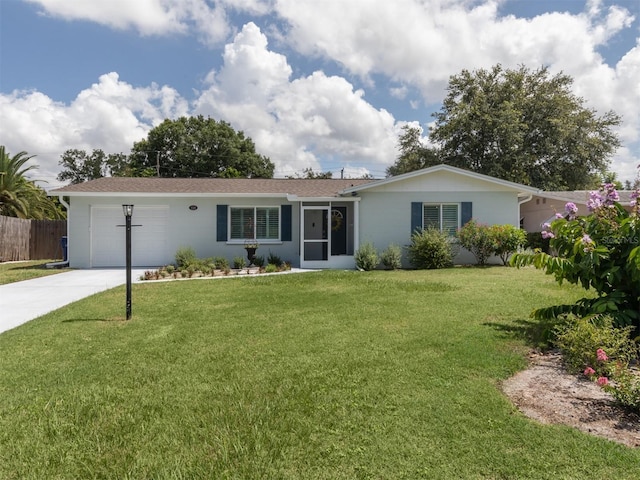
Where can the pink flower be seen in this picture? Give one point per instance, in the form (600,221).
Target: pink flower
(571,209)
(589,371)
(602,381)
(595,201)
(602,356)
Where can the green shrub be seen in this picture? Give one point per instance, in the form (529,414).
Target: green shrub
(508,240)
(200,265)
(170,269)
(238,262)
(391,258)
(626,389)
(366,257)
(221,263)
(430,248)
(602,352)
(258,261)
(478,239)
(271,268)
(185,256)
(274,259)
(579,340)
(535,241)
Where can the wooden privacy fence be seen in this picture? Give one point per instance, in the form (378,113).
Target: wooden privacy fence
(30,239)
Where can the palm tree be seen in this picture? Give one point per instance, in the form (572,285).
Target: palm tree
(20,197)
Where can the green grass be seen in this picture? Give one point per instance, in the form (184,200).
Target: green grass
(327,375)
(19,271)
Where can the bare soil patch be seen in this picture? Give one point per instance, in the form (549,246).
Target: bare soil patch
(549,394)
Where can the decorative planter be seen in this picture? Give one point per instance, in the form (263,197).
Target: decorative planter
(251,254)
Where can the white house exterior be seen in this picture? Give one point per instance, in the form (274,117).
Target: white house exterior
(312,223)
(391,209)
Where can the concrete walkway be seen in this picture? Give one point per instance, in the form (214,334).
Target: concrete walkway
(24,301)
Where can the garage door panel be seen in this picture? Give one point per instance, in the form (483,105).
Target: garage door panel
(148,236)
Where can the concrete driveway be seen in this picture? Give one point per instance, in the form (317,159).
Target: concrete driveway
(24,301)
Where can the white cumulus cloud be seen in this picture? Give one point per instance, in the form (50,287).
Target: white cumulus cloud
(311,118)
(110,115)
(298,122)
(148,17)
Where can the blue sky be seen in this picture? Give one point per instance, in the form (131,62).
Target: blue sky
(326,84)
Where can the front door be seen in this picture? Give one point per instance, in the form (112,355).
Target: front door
(315,234)
(327,234)
(338,230)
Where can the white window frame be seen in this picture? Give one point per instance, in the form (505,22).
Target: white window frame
(255,238)
(440,219)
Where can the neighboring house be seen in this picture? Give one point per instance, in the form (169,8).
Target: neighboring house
(312,223)
(544,206)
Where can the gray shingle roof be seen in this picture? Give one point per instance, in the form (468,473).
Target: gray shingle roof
(213,186)
(582,196)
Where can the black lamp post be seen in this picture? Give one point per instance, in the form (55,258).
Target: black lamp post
(128,212)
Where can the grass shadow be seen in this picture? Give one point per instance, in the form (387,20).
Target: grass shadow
(536,333)
(38,266)
(96,320)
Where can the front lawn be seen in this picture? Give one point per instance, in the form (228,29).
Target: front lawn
(325,375)
(17,271)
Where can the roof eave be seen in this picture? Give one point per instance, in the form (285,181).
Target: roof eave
(522,189)
(167,194)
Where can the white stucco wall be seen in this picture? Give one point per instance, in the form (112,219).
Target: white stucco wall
(185,227)
(385,212)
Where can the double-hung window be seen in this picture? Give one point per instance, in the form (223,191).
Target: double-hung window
(442,216)
(254,223)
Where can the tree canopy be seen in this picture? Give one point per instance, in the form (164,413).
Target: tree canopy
(199,147)
(413,154)
(308,173)
(523,126)
(19,196)
(78,166)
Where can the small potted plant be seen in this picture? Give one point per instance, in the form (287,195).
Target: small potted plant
(251,246)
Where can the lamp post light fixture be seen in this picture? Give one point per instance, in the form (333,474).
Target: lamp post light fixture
(128,212)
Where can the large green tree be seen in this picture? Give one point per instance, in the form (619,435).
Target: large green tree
(308,173)
(79,166)
(200,147)
(19,196)
(524,126)
(414,155)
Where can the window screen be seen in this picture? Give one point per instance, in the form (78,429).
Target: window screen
(255,223)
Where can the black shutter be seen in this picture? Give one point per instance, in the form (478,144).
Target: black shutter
(285,223)
(221,223)
(416,216)
(466,212)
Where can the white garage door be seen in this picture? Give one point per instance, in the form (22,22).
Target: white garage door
(148,241)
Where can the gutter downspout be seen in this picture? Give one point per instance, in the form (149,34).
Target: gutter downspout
(63,263)
(526,199)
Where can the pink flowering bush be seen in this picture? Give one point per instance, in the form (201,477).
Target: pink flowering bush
(625,388)
(619,380)
(601,355)
(593,345)
(600,251)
